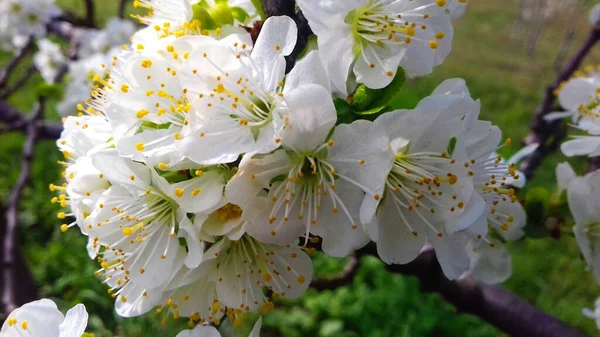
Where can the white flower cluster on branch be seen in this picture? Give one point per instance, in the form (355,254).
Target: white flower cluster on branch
(198,163)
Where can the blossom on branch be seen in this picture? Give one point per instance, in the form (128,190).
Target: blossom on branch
(366,40)
(43,319)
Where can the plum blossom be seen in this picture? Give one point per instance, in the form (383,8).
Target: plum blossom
(49,60)
(371,39)
(583,195)
(581,99)
(43,319)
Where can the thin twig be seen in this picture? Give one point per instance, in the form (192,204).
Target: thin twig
(550,135)
(13,64)
(335,281)
(9,90)
(9,247)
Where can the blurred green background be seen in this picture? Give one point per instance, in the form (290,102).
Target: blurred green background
(506,51)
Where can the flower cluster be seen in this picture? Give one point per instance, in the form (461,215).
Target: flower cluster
(583,195)
(43,319)
(580,97)
(22,19)
(199,164)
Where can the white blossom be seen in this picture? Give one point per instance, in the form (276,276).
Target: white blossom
(315,185)
(240,101)
(583,194)
(580,97)
(49,60)
(370,39)
(209,331)
(21,19)
(43,319)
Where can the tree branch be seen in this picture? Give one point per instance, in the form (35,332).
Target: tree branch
(16,121)
(9,244)
(18,84)
(335,281)
(494,304)
(90,13)
(550,135)
(12,65)
(121,11)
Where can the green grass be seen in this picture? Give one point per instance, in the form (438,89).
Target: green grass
(547,272)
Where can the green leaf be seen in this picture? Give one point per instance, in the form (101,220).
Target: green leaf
(451,146)
(374,102)
(51,91)
(257,4)
(364,98)
(239,14)
(344,111)
(202,15)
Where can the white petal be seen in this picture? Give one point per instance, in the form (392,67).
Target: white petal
(578,91)
(136,304)
(474,210)
(361,153)
(121,170)
(338,58)
(256,329)
(564,175)
(396,243)
(277,39)
(580,146)
(341,235)
(256,174)
(452,86)
(309,70)
(200,331)
(43,319)
(451,253)
(312,115)
(375,64)
(491,265)
(200,193)
(75,322)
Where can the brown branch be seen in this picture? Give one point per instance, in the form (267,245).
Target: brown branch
(121,11)
(12,65)
(550,134)
(90,13)
(14,120)
(335,281)
(9,244)
(9,90)
(494,304)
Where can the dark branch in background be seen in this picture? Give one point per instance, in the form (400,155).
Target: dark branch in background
(550,135)
(14,120)
(343,278)
(594,164)
(9,242)
(12,65)
(121,10)
(288,7)
(494,304)
(18,84)
(90,13)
